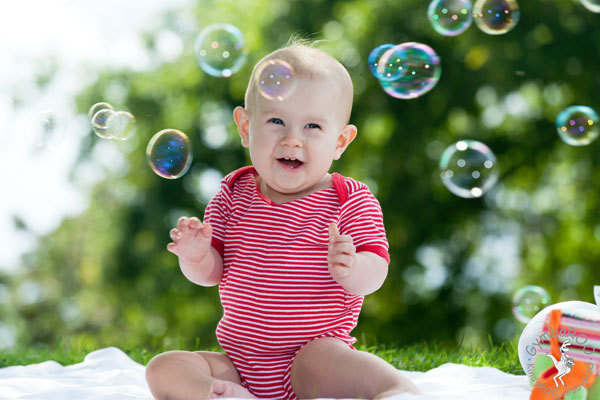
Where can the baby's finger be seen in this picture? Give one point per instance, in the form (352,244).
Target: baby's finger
(339,271)
(175,234)
(342,259)
(195,223)
(172,247)
(183,223)
(343,248)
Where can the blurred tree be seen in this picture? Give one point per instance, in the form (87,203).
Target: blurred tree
(106,276)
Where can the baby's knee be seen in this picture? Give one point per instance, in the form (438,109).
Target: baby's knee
(156,367)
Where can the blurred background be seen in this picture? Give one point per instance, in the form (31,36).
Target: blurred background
(84,221)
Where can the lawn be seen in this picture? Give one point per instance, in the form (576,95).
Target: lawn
(417,357)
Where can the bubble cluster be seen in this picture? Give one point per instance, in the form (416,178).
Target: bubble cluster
(276,79)
(450,17)
(409,70)
(169,153)
(220,50)
(496,17)
(528,301)
(110,124)
(592,5)
(468,168)
(578,125)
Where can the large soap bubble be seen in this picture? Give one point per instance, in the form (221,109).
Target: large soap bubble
(169,153)
(276,79)
(450,17)
(578,125)
(528,301)
(496,17)
(468,168)
(418,67)
(220,51)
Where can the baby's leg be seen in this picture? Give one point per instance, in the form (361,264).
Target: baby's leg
(327,367)
(192,375)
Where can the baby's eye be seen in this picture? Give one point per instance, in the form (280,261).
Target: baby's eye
(313,126)
(276,121)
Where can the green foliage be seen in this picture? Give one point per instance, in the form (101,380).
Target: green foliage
(107,278)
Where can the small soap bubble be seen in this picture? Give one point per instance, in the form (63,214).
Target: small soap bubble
(106,123)
(374,57)
(592,5)
(528,301)
(47,130)
(127,125)
(450,17)
(169,153)
(578,125)
(219,50)
(97,107)
(496,17)
(276,79)
(468,168)
(421,70)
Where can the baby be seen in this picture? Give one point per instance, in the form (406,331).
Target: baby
(294,251)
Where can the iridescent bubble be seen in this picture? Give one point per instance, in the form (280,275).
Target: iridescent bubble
(219,49)
(276,79)
(47,130)
(578,125)
(127,125)
(528,301)
(496,17)
(450,17)
(106,123)
(374,57)
(592,5)
(169,153)
(421,70)
(468,168)
(97,107)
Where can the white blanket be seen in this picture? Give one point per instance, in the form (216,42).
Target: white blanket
(108,374)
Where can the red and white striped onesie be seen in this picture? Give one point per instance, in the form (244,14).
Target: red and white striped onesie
(276,290)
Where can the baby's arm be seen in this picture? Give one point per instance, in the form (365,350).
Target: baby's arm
(199,261)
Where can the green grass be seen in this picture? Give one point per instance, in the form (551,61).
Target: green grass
(417,357)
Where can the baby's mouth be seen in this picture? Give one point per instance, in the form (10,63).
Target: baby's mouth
(290,163)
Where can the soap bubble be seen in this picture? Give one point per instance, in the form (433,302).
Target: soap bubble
(276,79)
(578,125)
(169,153)
(374,57)
(106,123)
(97,107)
(127,125)
(592,5)
(46,130)
(468,168)
(219,49)
(421,70)
(528,301)
(450,17)
(496,17)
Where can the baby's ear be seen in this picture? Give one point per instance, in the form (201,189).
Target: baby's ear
(242,121)
(345,137)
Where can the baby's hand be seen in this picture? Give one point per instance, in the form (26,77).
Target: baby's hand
(342,253)
(191,240)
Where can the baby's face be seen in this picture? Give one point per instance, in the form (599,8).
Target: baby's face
(309,127)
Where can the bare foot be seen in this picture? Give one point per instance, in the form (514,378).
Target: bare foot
(223,389)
